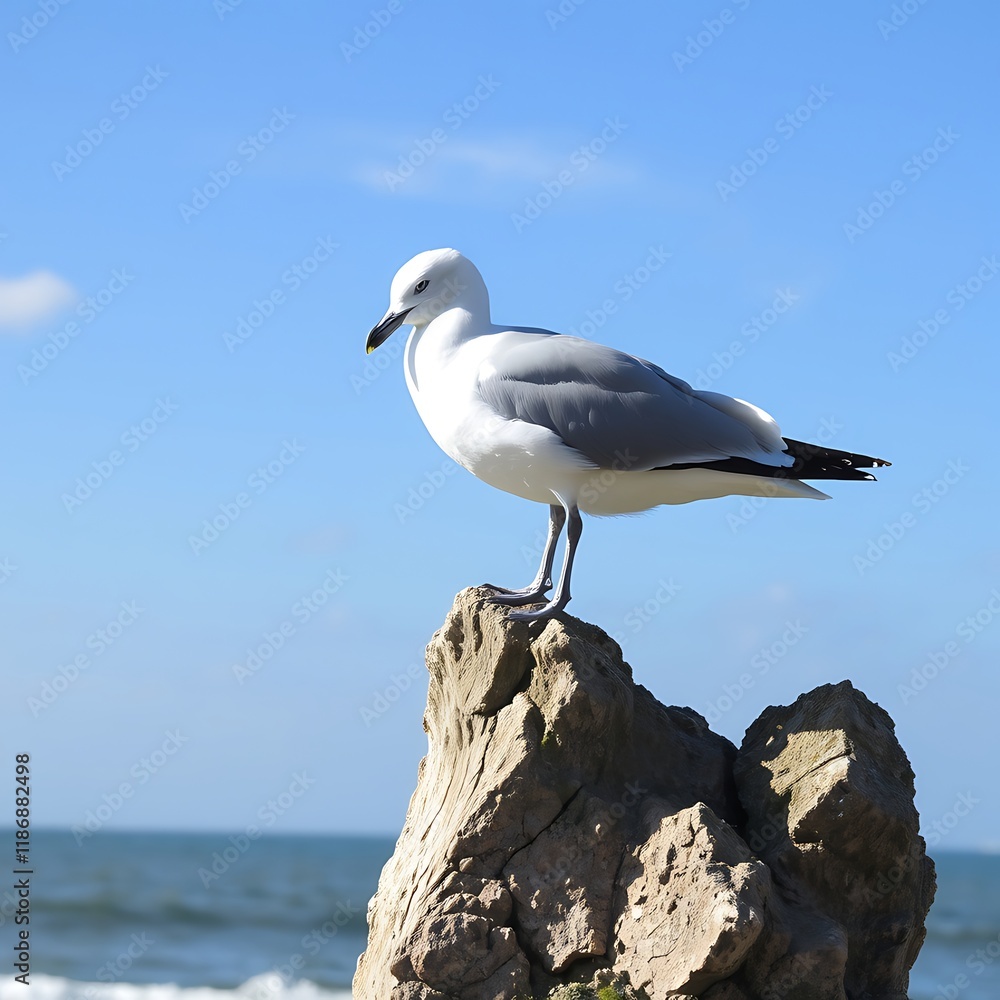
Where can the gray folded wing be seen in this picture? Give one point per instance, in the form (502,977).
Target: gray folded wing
(621,412)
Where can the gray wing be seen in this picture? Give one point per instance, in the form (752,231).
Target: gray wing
(619,410)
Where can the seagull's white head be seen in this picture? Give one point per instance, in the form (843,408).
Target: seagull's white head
(428,285)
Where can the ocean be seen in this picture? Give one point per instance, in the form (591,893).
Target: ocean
(158,916)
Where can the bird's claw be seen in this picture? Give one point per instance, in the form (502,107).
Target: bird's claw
(532,595)
(516,600)
(550,609)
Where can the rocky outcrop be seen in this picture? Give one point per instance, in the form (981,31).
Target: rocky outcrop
(568,828)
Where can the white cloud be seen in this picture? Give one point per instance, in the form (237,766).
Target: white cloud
(25,302)
(451,163)
(498,170)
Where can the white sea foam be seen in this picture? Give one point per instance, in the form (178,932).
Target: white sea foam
(266,986)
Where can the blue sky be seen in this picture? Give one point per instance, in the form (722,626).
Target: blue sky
(203,209)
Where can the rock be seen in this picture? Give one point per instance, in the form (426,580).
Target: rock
(829,798)
(690,903)
(569,833)
(562,883)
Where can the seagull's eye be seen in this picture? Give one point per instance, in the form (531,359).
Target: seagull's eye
(420,286)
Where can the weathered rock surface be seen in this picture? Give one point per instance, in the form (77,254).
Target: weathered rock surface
(568,828)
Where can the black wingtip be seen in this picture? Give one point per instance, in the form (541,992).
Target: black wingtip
(814,461)
(810,461)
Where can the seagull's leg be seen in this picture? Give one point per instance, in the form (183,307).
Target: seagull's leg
(574,530)
(535,591)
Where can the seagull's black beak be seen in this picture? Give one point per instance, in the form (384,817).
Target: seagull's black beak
(390,322)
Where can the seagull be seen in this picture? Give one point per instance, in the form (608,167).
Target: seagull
(583,428)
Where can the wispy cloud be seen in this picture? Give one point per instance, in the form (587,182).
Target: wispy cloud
(443,164)
(452,163)
(492,169)
(27,301)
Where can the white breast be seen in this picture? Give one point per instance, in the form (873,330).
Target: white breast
(522,459)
